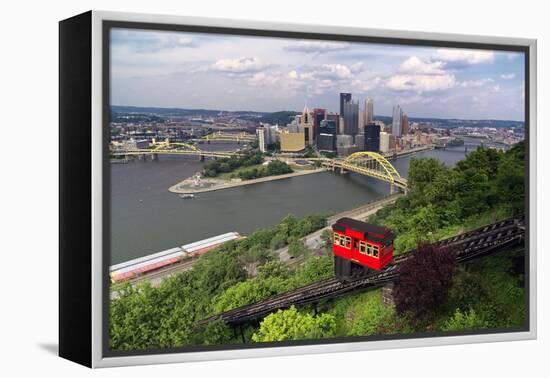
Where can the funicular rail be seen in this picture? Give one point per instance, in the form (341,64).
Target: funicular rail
(467,246)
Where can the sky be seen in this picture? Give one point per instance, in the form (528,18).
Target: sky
(225,72)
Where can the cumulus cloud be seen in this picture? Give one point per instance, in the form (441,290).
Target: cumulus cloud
(316,47)
(509,76)
(144,41)
(421,83)
(335,72)
(261,78)
(367,85)
(475,83)
(243,65)
(464,56)
(415,65)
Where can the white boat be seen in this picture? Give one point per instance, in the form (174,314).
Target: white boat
(187,195)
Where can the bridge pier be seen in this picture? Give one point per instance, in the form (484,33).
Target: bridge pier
(154,157)
(201,157)
(387,295)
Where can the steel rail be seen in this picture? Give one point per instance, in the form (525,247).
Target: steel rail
(468,246)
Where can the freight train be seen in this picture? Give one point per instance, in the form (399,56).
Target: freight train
(359,247)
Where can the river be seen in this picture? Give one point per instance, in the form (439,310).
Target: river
(146,218)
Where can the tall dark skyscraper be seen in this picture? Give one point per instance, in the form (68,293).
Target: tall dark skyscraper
(372,137)
(318,116)
(328,126)
(344,97)
(351,118)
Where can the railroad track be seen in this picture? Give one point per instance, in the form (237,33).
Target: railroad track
(468,246)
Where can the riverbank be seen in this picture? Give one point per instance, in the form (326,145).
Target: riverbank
(312,241)
(183,187)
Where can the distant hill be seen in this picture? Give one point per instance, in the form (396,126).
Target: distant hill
(283,117)
(452,122)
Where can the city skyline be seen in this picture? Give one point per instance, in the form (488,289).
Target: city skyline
(192,70)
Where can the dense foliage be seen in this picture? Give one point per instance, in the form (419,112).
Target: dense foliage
(164,316)
(225,165)
(424,280)
(274,168)
(487,293)
(293,325)
(485,185)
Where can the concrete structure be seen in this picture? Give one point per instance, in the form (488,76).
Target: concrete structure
(369,111)
(318,116)
(351,118)
(397,121)
(260,132)
(335,118)
(327,126)
(341,125)
(359,141)
(326,142)
(405,123)
(344,97)
(361,123)
(344,140)
(133,144)
(347,150)
(292,141)
(384,142)
(306,122)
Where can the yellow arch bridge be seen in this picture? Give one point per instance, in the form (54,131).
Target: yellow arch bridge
(230,137)
(370,164)
(172,148)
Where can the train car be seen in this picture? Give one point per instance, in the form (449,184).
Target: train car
(142,265)
(202,246)
(358,247)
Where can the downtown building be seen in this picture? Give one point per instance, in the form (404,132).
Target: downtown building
(372,137)
(326,138)
(351,118)
(369,111)
(344,98)
(397,121)
(318,116)
(267,135)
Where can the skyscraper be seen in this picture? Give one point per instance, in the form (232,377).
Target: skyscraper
(344,97)
(372,137)
(351,118)
(307,124)
(397,121)
(405,124)
(369,111)
(318,116)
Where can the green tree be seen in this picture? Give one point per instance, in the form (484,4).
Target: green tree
(326,239)
(278,241)
(293,325)
(297,247)
(461,321)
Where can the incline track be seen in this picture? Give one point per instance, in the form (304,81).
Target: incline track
(467,246)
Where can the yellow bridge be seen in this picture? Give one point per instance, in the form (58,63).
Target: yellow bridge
(172,148)
(230,137)
(370,164)
(366,163)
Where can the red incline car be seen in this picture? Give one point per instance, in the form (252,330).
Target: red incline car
(359,246)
